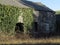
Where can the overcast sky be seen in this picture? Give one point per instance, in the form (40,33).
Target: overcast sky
(53,4)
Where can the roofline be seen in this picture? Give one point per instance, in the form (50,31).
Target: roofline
(47,11)
(35,8)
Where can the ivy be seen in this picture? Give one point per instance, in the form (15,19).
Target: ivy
(9,17)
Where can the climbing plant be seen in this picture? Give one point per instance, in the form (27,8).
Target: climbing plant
(9,17)
(28,19)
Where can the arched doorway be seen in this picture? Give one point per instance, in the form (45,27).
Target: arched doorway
(19,27)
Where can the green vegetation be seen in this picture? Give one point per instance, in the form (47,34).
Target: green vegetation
(9,17)
(28,19)
(57,12)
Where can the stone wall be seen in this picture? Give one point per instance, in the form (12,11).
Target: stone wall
(35,15)
(20,19)
(46,22)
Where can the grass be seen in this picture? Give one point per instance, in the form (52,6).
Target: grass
(29,41)
(13,40)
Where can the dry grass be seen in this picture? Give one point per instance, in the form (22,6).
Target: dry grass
(13,40)
(29,41)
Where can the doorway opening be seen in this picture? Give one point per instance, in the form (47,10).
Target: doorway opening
(36,26)
(19,27)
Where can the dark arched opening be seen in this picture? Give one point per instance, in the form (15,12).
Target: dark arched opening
(19,27)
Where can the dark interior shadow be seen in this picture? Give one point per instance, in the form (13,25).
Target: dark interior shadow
(58,24)
(19,27)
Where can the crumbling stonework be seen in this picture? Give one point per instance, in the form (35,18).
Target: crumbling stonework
(46,22)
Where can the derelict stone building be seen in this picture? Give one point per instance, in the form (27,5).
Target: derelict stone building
(44,19)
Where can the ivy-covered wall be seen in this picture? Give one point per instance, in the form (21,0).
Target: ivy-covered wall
(28,19)
(9,17)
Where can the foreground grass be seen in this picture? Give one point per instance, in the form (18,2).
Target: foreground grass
(14,40)
(24,39)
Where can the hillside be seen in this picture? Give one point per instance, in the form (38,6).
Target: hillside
(58,12)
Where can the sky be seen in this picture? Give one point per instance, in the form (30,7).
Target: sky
(52,4)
